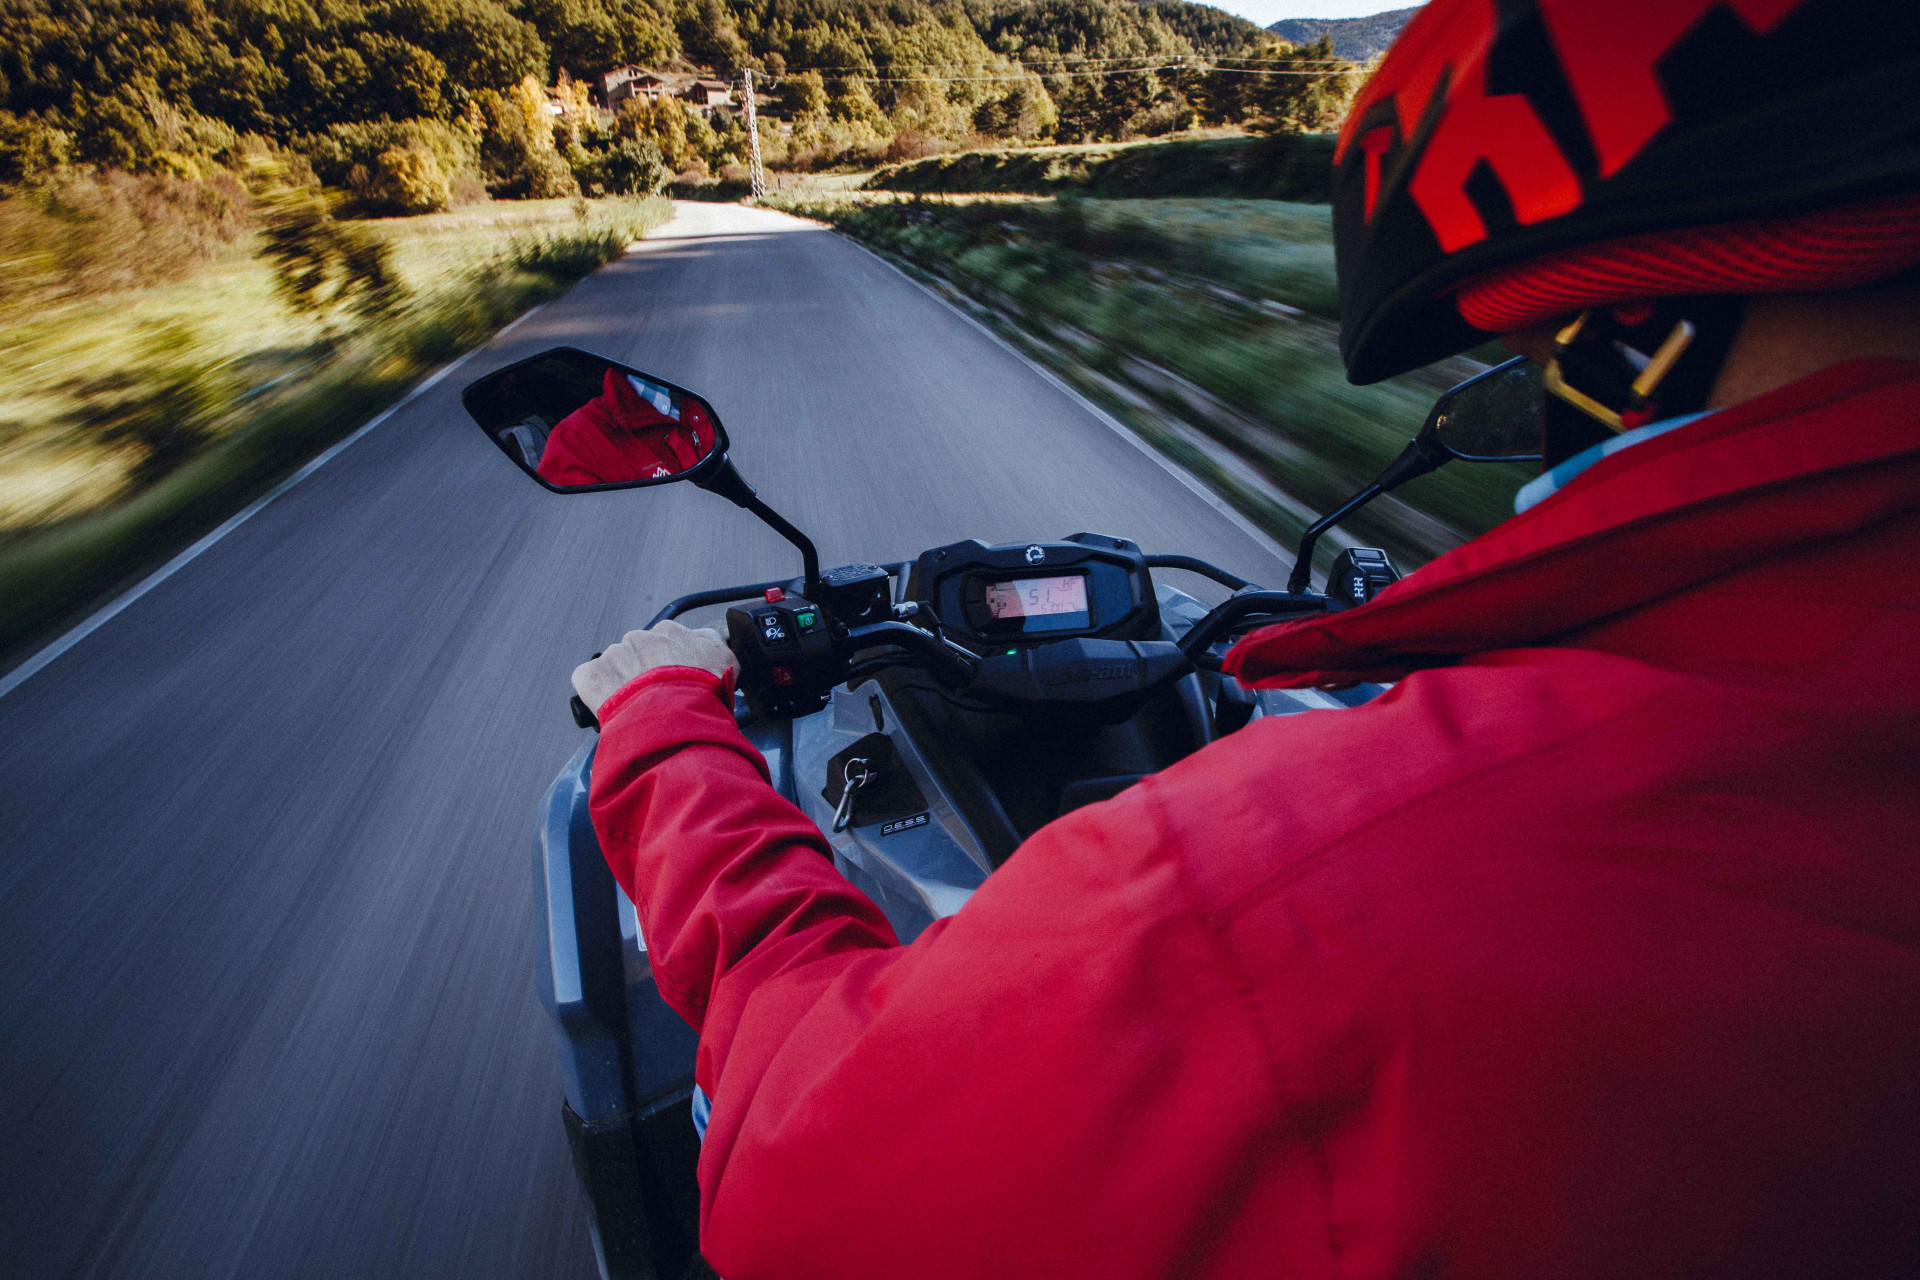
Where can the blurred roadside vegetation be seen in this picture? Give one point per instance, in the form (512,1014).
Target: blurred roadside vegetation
(137,418)
(1287,166)
(1217,314)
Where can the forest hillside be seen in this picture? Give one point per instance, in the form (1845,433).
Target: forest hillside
(413,104)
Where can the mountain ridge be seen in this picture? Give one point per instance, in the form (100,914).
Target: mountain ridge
(1360,39)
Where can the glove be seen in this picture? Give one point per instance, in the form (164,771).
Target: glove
(667,645)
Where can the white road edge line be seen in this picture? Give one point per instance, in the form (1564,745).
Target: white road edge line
(1172,468)
(47,656)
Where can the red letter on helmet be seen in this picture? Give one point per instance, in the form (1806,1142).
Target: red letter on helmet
(1503,131)
(1609,52)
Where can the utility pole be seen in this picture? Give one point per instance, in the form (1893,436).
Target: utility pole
(755,172)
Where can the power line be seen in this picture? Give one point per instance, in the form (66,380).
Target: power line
(1332,65)
(1203,68)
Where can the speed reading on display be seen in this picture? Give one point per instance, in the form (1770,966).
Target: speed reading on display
(1037,597)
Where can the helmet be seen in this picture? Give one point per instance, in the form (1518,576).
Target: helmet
(1515,160)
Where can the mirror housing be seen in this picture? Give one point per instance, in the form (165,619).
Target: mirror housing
(580,423)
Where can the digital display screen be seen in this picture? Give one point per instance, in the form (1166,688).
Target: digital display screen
(1061,602)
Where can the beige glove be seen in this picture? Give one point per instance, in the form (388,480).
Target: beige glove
(667,645)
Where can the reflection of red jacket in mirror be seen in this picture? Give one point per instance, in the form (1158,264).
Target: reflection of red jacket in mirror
(618,436)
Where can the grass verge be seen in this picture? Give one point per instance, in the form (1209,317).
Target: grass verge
(50,572)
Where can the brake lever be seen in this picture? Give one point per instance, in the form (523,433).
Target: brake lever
(946,661)
(1235,609)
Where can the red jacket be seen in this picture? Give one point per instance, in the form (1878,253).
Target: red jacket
(1591,949)
(617,436)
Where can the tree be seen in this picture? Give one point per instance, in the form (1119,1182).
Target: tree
(708,34)
(30,149)
(849,99)
(803,93)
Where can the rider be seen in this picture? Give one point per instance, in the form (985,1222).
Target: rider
(1593,947)
(630,431)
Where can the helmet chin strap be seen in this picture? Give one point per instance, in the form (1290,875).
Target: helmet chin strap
(1620,367)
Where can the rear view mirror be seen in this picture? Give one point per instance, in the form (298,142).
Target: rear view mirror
(1494,417)
(577,422)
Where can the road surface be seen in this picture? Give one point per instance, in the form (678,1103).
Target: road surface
(266,1006)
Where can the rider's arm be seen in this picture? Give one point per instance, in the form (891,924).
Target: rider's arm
(1057,1081)
(730,879)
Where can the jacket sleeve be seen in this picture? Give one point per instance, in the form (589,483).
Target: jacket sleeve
(1059,1080)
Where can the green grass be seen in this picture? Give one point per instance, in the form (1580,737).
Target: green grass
(468,273)
(1234,296)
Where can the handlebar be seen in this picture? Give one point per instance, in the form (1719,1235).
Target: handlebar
(722,595)
(1192,564)
(1148,665)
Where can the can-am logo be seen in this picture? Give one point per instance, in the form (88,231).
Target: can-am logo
(1036,553)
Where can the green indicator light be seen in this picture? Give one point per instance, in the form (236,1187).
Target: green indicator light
(1011,652)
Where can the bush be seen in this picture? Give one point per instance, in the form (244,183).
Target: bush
(630,166)
(606,233)
(409,180)
(390,166)
(548,177)
(911,144)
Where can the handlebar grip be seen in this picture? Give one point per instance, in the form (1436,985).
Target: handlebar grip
(581,715)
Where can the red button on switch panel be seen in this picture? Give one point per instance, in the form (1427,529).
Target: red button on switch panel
(783,675)
(775,595)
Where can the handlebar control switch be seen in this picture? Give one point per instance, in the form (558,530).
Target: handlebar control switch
(788,660)
(1358,575)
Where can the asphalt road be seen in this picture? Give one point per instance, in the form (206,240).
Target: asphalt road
(266,1006)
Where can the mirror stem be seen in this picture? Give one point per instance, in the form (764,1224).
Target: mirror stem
(1303,563)
(1424,454)
(731,485)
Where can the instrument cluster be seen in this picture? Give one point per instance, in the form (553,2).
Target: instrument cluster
(996,599)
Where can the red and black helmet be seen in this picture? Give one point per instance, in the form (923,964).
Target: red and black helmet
(1515,160)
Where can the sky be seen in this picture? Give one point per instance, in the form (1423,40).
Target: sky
(1266,12)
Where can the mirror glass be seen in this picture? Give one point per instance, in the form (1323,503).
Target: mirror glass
(577,421)
(1496,416)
